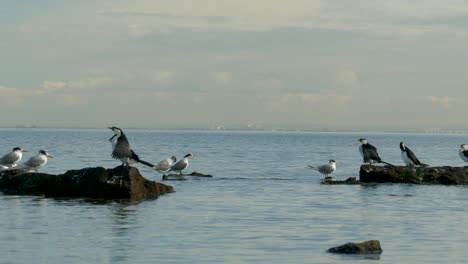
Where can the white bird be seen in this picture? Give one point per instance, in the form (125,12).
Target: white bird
(10,159)
(463,152)
(35,162)
(165,165)
(182,164)
(326,169)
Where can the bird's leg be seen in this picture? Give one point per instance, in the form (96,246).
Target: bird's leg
(180,173)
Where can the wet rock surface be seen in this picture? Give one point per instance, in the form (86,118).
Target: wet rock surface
(182,177)
(366,247)
(97,182)
(401,174)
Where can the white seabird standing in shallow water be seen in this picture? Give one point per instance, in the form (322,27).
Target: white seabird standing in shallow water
(165,165)
(463,152)
(35,162)
(409,158)
(182,164)
(10,159)
(369,153)
(326,169)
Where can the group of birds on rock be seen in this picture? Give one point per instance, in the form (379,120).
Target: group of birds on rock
(122,151)
(11,160)
(370,155)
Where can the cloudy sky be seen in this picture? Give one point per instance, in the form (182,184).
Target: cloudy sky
(363,64)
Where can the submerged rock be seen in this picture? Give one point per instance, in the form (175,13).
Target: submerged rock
(350,180)
(403,174)
(98,182)
(181,177)
(366,247)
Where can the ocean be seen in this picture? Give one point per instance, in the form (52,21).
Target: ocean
(263,205)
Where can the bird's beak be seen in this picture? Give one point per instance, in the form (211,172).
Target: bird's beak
(49,156)
(24,150)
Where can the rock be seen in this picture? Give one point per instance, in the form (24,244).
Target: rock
(402,174)
(350,180)
(95,182)
(366,247)
(180,177)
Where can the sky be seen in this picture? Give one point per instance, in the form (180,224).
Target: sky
(298,64)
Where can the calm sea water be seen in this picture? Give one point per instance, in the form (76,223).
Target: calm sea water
(262,206)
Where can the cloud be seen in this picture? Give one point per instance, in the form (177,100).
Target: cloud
(222,77)
(445,101)
(70,86)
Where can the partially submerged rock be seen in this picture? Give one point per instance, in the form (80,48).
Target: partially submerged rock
(366,247)
(180,177)
(403,174)
(98,182)
(350,180)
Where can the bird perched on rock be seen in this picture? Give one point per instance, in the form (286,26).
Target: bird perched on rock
(182,164)
(10,159)
(409,158)
(463,152)
(35,162)
(326,169)
(121,149)
(165,165)
(369,153)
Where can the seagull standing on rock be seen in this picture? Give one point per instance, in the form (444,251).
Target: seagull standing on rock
(326,169)
(10,159)
(165,165)
(182,164)
(35,162)
(463,152)
(409,158)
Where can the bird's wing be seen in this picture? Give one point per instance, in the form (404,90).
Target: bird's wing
(180,165)
(465,153)
(122,150)
(35,161)
(370,152)
(412,156)
(325,169)
(164,165)
(9,158)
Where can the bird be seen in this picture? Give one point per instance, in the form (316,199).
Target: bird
(165,165)
(408,156)
(10,159)
(369,153)
(463,152)
(325,169)
(3,168)
(121,149)
(182,164)
(35,162)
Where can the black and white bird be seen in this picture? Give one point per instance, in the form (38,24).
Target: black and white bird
(10,159)
(181,164)
(463,152)
(165,165)
(325,169)
(369,153)
(408,156)
(121,149)
(35,162)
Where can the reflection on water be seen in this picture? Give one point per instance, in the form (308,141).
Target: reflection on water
(262,205)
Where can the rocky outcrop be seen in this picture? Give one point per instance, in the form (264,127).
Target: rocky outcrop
(366,247)
(401,174)
(349,181)
(98,182)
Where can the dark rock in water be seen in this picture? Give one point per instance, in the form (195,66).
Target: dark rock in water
(366,247)
(350,180)
(98,182)
(427,175)
(180,177)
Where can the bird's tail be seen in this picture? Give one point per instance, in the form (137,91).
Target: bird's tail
(311,167)
(145,163)
(389,164)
